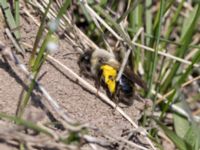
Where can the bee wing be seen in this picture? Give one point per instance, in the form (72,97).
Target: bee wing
(135,78)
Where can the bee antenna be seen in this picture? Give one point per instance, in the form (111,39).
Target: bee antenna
(75,53)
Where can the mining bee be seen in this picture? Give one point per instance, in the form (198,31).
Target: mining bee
(103,67)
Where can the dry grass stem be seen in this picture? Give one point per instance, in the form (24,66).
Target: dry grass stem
(127,55)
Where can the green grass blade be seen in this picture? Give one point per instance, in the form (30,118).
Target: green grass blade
(25,123)
(42,25)
(36,68)
(181,80)
(188,71)
(17,12)
(179,142)
(148,18)
(85,12)
(39,34)
(25,99)
(112,21)
(164,40)
(156,22)
(21,146)
(185,40)
(188,21)
(114,24)
(103,2)
(173,21)
(135,19)
(193,136)
(40,56)
(63,9)
(135,22)
(9,17)
(181,124)
(40,59)
(167,35)
(132,7)
(148,65)
(155,56)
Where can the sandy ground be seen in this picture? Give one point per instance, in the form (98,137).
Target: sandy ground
(76,101)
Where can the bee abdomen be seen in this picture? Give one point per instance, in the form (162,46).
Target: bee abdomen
(125,86)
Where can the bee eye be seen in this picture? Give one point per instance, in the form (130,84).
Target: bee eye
(100,61)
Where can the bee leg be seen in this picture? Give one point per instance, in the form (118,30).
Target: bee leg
(97,93)
(113,98)
(116,104)
(98,81)
(116,96)
(116,100)
(97,85)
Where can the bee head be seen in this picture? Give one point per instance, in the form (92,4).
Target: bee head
(85,63)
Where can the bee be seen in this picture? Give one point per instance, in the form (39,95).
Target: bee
(103,67)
